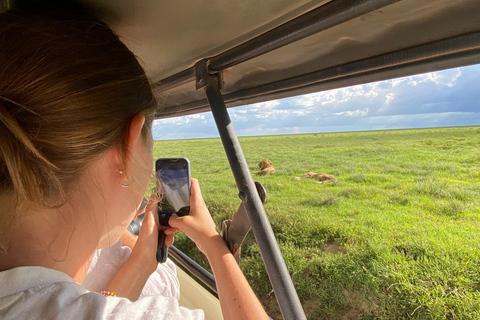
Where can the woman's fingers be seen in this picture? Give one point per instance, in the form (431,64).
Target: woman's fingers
(195,189)
(150,216)
(175,222)
(195,194)
(148,225)
(170,235)
(198,225)
(147,238)
(151,225)
(171,231)
(146,246)
(169,240)
(152,207)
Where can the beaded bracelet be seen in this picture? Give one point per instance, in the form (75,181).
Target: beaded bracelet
(107,294)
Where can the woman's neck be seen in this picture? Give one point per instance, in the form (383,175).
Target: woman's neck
(49,238)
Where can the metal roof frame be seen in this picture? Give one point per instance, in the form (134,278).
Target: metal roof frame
(459,51)
(436,55)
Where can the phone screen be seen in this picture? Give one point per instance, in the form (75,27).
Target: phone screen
(174,184)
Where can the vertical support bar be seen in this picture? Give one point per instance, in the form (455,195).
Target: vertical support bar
(282,284)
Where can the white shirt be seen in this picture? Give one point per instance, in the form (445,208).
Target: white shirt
(41,293)
(107,262)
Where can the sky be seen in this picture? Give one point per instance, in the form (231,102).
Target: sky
(436,99)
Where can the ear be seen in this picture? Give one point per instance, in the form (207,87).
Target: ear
(133,139)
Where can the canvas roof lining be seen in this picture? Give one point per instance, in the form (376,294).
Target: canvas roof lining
(170,36)
(401,25)
(427,21)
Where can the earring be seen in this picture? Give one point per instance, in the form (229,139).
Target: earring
(124,185)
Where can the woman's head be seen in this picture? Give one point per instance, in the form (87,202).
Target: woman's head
(76,111)
(69,89)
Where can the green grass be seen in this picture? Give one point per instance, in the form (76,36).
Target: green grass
(397,237)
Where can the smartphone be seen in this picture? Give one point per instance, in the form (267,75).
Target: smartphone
(173,185)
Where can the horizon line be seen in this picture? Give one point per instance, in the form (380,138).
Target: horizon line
(328,132)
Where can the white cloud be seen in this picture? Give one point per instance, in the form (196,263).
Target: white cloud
(389,97)
(446,77)
(357,113)
(179,120)
(264,106)
(396,82)
(238,116)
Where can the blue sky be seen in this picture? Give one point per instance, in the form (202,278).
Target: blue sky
(436,99)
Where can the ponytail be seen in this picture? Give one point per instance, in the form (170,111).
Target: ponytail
(68,91)
(30,174)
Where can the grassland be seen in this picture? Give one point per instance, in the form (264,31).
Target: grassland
(397,237)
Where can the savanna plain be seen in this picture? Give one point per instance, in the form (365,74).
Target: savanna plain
(397,237)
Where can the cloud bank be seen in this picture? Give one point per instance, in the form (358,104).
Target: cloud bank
(436,99)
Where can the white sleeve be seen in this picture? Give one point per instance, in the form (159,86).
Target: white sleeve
(107,262)
(163,281)
(104,266)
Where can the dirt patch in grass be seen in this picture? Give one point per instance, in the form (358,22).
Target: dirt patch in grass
(333,248)
(356,307)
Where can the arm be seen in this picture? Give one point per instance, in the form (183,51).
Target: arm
(132,277)
(134,273)
(237,298)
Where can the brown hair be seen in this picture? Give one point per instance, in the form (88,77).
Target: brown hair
(68,91)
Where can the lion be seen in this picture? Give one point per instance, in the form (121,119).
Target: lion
(321,177)
(266,167)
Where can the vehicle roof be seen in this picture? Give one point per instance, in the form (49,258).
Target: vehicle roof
(321,44)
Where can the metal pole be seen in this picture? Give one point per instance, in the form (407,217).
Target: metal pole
(203,277)
(282,284)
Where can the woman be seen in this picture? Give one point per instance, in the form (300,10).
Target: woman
(76,112)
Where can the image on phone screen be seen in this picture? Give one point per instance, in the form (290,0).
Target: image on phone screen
(174,185)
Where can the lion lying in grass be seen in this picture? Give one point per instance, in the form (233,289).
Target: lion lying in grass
(321,177)
(266,167)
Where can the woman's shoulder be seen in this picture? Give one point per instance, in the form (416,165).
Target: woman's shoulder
(36,292)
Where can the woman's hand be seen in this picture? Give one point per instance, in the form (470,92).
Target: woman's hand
(145,248)
(133,275)
(198,225)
